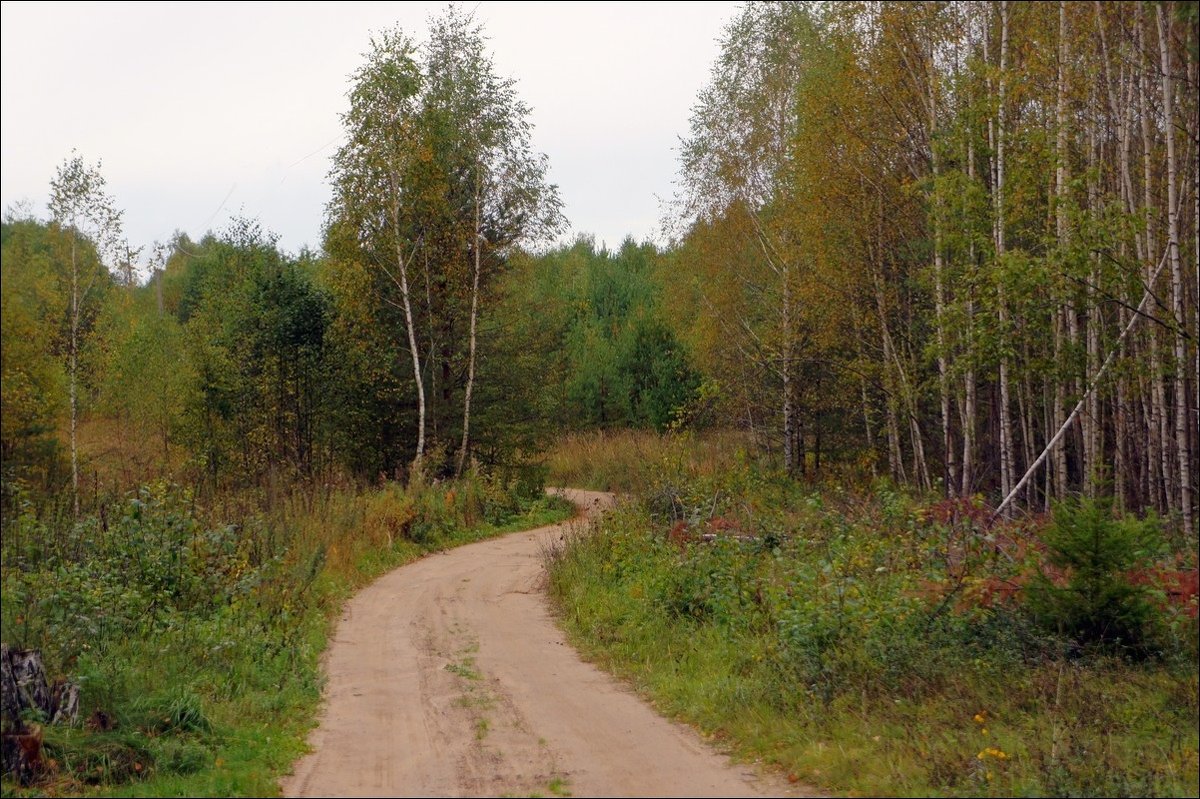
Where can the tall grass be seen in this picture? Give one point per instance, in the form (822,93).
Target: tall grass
(195,630)
(870,642)
(625,461)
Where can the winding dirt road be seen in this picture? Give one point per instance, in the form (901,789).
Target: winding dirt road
(448,677)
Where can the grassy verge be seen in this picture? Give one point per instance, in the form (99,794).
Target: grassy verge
(867,643)
(197,643)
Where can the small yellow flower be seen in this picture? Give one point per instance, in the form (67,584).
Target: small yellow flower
(979,719)
(983,731)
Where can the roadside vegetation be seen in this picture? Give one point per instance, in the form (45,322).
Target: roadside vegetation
(868,640)
(195,633)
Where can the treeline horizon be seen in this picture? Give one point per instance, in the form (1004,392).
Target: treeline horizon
(951,244)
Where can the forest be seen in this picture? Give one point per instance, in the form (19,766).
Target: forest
(922,328)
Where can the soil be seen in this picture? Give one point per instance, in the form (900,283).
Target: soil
(449,677)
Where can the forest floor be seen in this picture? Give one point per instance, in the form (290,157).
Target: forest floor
(449,677)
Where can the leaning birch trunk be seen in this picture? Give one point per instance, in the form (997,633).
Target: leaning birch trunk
(1092,385)
(1182,447)
(476,245)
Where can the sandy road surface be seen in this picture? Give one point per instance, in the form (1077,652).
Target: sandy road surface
(448,677)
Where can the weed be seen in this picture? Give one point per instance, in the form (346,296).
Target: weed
(195,630)
(465,668)
(853,639)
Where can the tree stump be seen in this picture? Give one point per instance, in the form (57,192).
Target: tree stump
(26,698)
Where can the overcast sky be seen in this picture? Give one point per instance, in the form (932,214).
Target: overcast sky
(203,111)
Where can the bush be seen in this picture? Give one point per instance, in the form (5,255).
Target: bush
(1094,601)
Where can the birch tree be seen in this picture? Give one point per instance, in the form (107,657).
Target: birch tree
(373,182)
(496,194)
(89,220)
(737,160)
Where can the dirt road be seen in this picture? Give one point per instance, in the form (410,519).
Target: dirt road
(448,677)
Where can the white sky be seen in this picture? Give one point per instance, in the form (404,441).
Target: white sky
(202,111)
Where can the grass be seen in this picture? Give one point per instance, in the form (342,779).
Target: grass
(465,669)
(624,461)
(848,638)
(199,630)
(559,787)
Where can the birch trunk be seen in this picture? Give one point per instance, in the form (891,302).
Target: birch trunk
(950,471)
(1122,115)
(477,245)
(789,420)
(1092,428)
(969,388)
(1182,447)
(1007,447)
(1159,479)
(402,263)
(73,387)
(1063,233)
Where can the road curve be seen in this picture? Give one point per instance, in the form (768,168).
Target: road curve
(448,677)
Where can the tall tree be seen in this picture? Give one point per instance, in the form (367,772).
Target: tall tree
(736,170)
(496,192)
(85,214)
(373,181)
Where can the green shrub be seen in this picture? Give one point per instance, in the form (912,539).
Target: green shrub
(193,633)
(1099,604)
(870,642)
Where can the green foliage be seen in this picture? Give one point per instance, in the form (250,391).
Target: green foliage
(32,375)
(195,641)
(858,641)
(149,379)
(256,373)
(1099,604)
(603,334)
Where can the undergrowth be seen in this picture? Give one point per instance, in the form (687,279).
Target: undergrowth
(625,461)
(871,642)
(195,632)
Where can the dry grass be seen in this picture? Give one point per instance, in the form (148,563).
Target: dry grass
(624,460)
